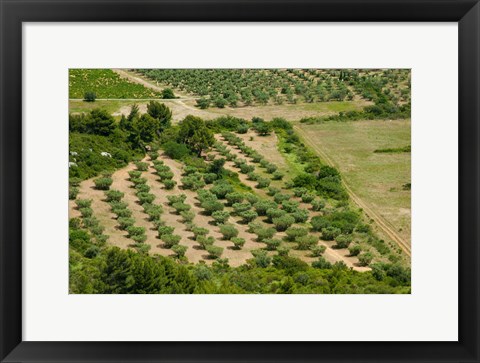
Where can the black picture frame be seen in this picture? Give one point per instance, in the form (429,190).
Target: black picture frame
(14,12)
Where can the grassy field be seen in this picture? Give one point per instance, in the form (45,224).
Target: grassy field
(377,178)
(106,84)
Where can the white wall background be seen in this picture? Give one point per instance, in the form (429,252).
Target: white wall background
(429,313)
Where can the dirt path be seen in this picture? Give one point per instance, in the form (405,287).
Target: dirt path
(381,222)
(140,79)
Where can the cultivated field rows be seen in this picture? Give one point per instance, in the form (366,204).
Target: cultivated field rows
(194,253)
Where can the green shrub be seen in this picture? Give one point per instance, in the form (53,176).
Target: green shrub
(193,182)
(262,206)
(264,233)
(300,215)
(263,183)
(330,233)
(278,175)
(234,197)
(293,232)
(86,212)
(205,241)
(135,231)
(261,258)
(175,150)
(283,251)
(154,211)
(318,250)
(169,184)
(164,230)
(271,168)
(89,97)
(122,213)
(83,203)
(142,188)
(306,242)
(281,197)
(272,243)
(343,241)
(179,250)
(153,155)
(251,198)
(214,251)
(238,242)
(317,204)
(221,189)
(134,174)
(170,240)
(354,250)
(228,231)
(318,223)
(253,176)
(298,192)
(322,263)
(172,199)
(199,231)
(248,216)
(220,217)
(137,181)
(282,223)
(365,258)
(290,205)
(141,166)
(73,192)
(187,216)
(308,197)
(145,197)
(209,178)
(125,222)
(245,168)
(274,213)
(241,207)
(272,191)
(103,183)
(139,238)
(165,175)
(210,206)
(181,207)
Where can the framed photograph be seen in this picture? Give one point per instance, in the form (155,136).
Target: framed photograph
(239,181)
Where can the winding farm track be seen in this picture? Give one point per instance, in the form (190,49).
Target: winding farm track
(380,221)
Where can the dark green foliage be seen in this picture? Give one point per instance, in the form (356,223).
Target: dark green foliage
(103,183)
(272,243)
(194,133)
(365,258)
(300,215)
(170,240)
(161,113)
(73,192)
(282,223)
(89,97)
(238,242)
(114,195)
(354,250)
(167,93)
(343,241)
(317,250)
(228,231)
(175,150)
(306,242)
(220,217)
(214,251)
(294,232)
(330,233)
